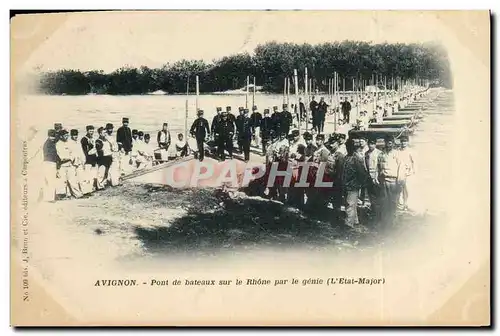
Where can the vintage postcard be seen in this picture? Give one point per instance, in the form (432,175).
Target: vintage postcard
(250,168)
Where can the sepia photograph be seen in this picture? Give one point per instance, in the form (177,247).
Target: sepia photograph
(232,168)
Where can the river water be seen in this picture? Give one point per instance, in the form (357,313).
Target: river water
(430,142)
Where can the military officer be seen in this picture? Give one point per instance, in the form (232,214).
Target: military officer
(266,128)
(287,119)
(200,131)
(225,132)
(256,118)
(67,170)
(244,128)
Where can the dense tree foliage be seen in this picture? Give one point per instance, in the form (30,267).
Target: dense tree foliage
(271,63)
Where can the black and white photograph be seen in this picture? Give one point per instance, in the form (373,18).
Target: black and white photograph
(250,168)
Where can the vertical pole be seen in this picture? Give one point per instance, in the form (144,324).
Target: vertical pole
(343,85)
(306,103)
(288,91)
(246,95)
(197,92)
(296,80)
(284,92)
(253,95)
(187,109)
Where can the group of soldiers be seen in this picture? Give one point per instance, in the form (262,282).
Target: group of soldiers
(94,162)
(244,128)
(357,168)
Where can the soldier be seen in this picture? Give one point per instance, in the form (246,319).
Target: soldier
(266,128)
(216,119)
(322,153)
(287,118)
(67,170)
(313,105)
(276,122)
(341,140)
(321,114)
(346,109)
(390,175)
(373,185)
(145,153)
(237,124)
(109,169)
(335,165)
(230,116)
(200,131)
(50,163)
(88,147)
(163,138)
(296,146)
(124,137)
(244,129)
(140,136)
(124,142)
(310,147)
(408,167)
(78,162)
(225,132)
(256,119)
(58,128)
(181,146)
(302,111)
(355,177)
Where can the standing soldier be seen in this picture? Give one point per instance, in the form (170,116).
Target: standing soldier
(224,132)
(322,153)
(266,128)
(389,173)
(313,105)
(336,164)
(78,162)
(50,163)
(355,177)
(277,123)
(216,119)
(341,140)
(200,131)
(302,110)
(408,168)
(124,141)
(66,168)
(373,186)
(321,114)
(230,116)
(237,124)
(244,129)
(346,110)
(88,147)
(287,118)
(256,119)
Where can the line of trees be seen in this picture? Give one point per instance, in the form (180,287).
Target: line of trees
(270,63)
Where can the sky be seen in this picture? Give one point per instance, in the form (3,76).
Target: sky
(109,40)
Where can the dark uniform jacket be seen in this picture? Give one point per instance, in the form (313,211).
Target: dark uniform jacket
(200,128)
(215,120)
(322,107)
(256,118)
(87,145)
(266,126)
(346,106)
(314,107)
(50,151)
(167,139)
(224,128)
(244,127)
(287,118)
(124,138)
(277,122)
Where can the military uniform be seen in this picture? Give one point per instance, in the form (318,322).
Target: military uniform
(216,119)
(266,129)
(287,120)
(124,137)
(244,128)
(50,162)
(200,130)
(256,118)
(67,169)
(224,132)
